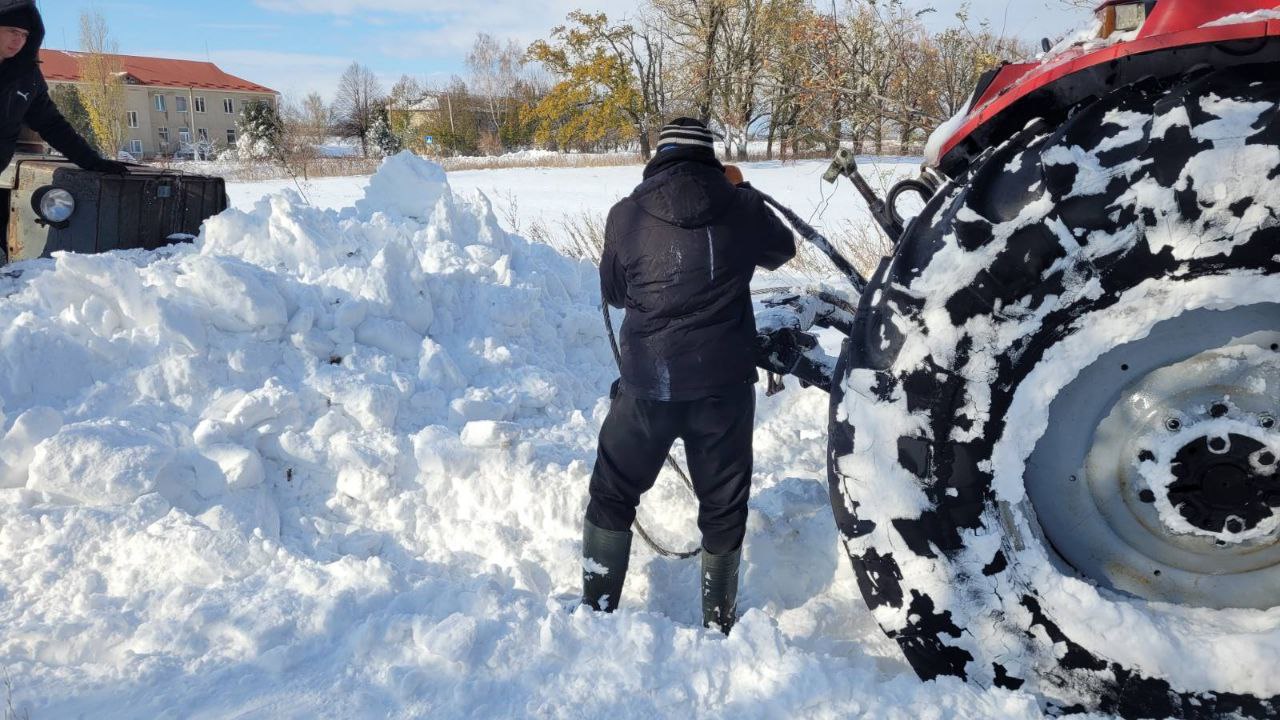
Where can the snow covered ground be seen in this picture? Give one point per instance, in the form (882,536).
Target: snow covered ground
(548,194)
(331,462)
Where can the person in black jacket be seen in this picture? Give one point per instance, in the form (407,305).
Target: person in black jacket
(679,256)
(24,95)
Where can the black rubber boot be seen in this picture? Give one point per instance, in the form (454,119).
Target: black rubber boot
(720,590)
(605,556)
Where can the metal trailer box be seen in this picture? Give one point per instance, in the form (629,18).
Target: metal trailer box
(147,208)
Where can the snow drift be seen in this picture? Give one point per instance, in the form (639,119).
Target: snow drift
(332,464)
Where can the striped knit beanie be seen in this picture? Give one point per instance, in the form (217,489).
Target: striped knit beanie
(686,132)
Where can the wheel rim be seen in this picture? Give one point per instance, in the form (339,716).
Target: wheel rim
(1158,474)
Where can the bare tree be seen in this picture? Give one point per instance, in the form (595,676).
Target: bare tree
(406,91)
(693,27)
(314,119)
(866,71)
(750,30)
(643,48)
(102,78)
(786,69)
(496,72)
(359,95)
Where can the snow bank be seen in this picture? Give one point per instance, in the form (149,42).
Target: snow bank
(332,464)
(1246,17)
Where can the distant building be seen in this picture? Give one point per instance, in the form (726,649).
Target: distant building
(172,107)
(457,113)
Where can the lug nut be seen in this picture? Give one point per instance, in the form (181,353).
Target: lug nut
(1267,421)
(1172,424)
(1267,459)
(1218,445)
(1218,410)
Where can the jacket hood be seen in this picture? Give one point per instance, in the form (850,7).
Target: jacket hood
(688,194)
(30,54)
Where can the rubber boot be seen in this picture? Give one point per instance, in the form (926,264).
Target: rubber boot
(605,556)
(720,590)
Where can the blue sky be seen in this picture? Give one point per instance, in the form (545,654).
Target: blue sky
(296,46)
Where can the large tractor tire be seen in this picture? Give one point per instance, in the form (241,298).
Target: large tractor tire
(1054,429)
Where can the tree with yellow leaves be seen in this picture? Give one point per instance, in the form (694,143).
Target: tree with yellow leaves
(102,83)
(608,84)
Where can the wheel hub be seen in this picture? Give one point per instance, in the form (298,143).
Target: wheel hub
(1222,486)
(1209,470)
(1172,491)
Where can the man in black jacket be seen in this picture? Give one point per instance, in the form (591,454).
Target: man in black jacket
(679,255)
(24,95)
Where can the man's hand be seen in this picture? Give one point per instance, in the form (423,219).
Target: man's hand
(109,167)
(733,174)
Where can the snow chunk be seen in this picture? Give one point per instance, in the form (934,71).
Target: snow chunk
(241,466)
(1245,17)
(939,137)
(407,186)
(488,433)
(100,463)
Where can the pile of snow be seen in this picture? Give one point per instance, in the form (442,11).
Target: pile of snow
(333,463)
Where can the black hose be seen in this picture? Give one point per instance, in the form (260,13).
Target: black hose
(819,241)
(671,461)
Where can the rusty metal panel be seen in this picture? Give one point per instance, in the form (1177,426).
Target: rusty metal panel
(143,209)
(109,218)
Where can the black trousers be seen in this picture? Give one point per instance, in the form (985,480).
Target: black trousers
(635,440)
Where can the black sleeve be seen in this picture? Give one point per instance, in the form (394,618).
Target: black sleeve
(776,241)
(613,276)
(44,117)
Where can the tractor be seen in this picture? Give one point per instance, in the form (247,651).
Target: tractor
(1054,455)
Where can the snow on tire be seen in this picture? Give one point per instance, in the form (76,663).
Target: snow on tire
(1052,433)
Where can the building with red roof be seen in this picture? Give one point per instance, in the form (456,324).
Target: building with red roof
(172,107)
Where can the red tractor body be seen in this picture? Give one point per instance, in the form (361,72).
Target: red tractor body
(1190,28)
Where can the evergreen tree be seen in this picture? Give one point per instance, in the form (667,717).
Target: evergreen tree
(382,139)
(70,103)
(260,131)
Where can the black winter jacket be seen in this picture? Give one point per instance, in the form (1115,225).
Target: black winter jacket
(679,255)
(24,100)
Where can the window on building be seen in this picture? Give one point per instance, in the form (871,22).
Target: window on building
(184,136)
(229,106)
(199,104)
(180,103)
(135,147)
(132,118)
(231,137)
(203,134)
(164,136)
(159,103)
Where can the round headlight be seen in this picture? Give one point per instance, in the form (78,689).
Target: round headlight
(57,205)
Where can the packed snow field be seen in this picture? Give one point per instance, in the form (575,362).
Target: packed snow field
(330,461)
(527,196)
